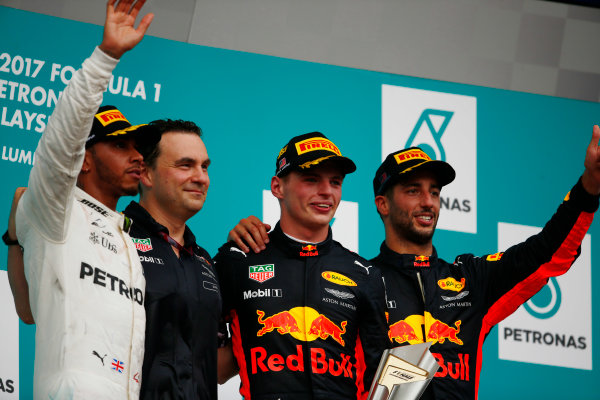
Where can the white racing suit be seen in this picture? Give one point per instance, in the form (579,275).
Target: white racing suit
(85,280)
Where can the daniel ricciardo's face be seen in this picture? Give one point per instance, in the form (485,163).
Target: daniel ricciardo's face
(116,165)
(414,208)
(308,199)
(179,179)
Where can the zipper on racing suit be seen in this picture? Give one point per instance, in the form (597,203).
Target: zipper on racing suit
(424,304)
(306,355)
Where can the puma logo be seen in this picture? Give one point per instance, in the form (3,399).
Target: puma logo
(239,251)
(360,265)
(98,355)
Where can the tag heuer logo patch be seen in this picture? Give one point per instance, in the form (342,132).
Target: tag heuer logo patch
(142,244)
(261,273)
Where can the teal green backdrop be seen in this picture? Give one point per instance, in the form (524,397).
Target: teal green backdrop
(530,149)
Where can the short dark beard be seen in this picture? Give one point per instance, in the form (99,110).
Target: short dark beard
(110,178)
(404,229)
(418,237)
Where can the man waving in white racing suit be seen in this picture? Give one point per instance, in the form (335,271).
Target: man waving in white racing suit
(86,285)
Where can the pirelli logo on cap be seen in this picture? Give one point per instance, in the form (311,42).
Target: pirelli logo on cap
(415,154)
(110,116)
(317,143)
(282,151)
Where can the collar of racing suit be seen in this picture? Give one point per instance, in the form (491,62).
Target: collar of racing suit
(119,219)
(140,216)
(410,261)
(298,249)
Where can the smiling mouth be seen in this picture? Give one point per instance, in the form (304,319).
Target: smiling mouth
(322,206)
(425,219)
(196,192)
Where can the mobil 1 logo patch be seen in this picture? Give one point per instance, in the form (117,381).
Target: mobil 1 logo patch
(261,273)
(555,326)
(443,125)
(260,293)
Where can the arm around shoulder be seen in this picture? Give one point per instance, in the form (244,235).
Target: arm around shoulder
(15,268)
(227,367)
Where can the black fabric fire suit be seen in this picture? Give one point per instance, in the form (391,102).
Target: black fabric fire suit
(307,320)
(455,305)
(183,308)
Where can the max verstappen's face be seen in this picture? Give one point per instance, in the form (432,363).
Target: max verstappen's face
(415,207)
(117,166)
(308,199)
(179,179)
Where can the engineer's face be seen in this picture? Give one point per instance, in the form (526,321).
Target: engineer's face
(179,178)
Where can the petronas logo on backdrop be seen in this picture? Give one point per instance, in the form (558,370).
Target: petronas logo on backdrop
(443,125)
(428,131)
(546,302)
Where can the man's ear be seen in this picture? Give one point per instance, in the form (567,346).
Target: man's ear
(277,187)
(383,205)
(146,176)
(86,167)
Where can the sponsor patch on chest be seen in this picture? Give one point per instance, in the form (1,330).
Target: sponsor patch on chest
(142,245)
(261,273)
(337,278)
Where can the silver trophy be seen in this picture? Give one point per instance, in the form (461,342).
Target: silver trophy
(404,373)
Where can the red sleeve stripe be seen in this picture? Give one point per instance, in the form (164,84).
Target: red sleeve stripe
(361,367)
(559,264)
(238,352)
(484,331)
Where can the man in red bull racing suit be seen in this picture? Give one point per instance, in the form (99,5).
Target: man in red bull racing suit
(454,305)
(307,315)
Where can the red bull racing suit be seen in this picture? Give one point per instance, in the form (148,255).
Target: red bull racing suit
(307,320)
(86,284)
(455,305)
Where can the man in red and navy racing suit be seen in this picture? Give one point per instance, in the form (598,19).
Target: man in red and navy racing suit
(307,315)
(455,305)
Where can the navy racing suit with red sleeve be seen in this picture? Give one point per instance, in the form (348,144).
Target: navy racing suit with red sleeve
(307,320)
(455,305)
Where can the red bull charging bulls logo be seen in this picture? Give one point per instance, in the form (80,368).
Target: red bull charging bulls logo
(439,332)
(303,323)
(421,261)
(310,250)
(401,332)
(324,328)
(284,322)
(410,330)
